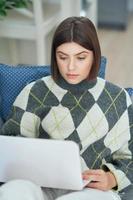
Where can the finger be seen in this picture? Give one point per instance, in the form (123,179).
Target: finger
(96,171)
(95,185)
(85,172)
(96,178)
(86,176)
(93,171)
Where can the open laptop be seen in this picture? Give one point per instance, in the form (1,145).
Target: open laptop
(46,162)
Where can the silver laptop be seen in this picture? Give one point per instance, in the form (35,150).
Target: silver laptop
(48,163)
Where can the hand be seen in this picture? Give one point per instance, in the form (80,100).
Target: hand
(100,179)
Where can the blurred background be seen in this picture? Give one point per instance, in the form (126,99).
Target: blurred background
(26,31)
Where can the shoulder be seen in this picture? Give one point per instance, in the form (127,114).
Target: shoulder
(34,90)
(38,84)
(34,87)
(114,91)
(109,84)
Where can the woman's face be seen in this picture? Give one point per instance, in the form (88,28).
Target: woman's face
(74,62)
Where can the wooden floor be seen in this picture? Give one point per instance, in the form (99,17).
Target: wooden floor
(117,46)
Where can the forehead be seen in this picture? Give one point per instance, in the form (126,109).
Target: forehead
(71,48)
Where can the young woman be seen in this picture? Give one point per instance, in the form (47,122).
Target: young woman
(74,104)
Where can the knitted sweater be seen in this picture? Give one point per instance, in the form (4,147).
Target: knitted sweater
(97,115)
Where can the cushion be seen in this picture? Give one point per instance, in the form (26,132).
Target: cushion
(130,92)
(14,78)
(1,121)
(102,67)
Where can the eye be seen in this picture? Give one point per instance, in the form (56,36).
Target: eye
(81,58)
(62,57)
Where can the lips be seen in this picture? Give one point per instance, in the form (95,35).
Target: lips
(72,76)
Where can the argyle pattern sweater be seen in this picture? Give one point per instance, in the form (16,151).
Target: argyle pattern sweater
(97,115)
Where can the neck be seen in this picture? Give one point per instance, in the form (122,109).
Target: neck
(83,85)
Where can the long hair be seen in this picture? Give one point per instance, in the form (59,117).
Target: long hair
(81,31)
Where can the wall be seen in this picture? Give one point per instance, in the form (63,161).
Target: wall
(130,5)
(4,51)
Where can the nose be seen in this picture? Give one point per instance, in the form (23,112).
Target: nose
(71,64)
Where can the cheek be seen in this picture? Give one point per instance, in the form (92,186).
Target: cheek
(87,68)
(61,67)
(59,64)
(90,63)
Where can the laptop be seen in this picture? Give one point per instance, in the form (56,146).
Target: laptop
(46,162)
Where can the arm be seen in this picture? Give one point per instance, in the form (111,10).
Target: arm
(118,169)
(21,121)
(122,164)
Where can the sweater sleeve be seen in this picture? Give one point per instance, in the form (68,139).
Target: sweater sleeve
(122,158)
(22,122)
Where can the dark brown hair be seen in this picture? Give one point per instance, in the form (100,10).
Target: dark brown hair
(81,31)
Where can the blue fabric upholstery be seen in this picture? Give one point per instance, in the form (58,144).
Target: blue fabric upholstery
(102,67)
(1,121)
(130,92)
(14,78)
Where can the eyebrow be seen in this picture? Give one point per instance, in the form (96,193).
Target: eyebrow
(75,54)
